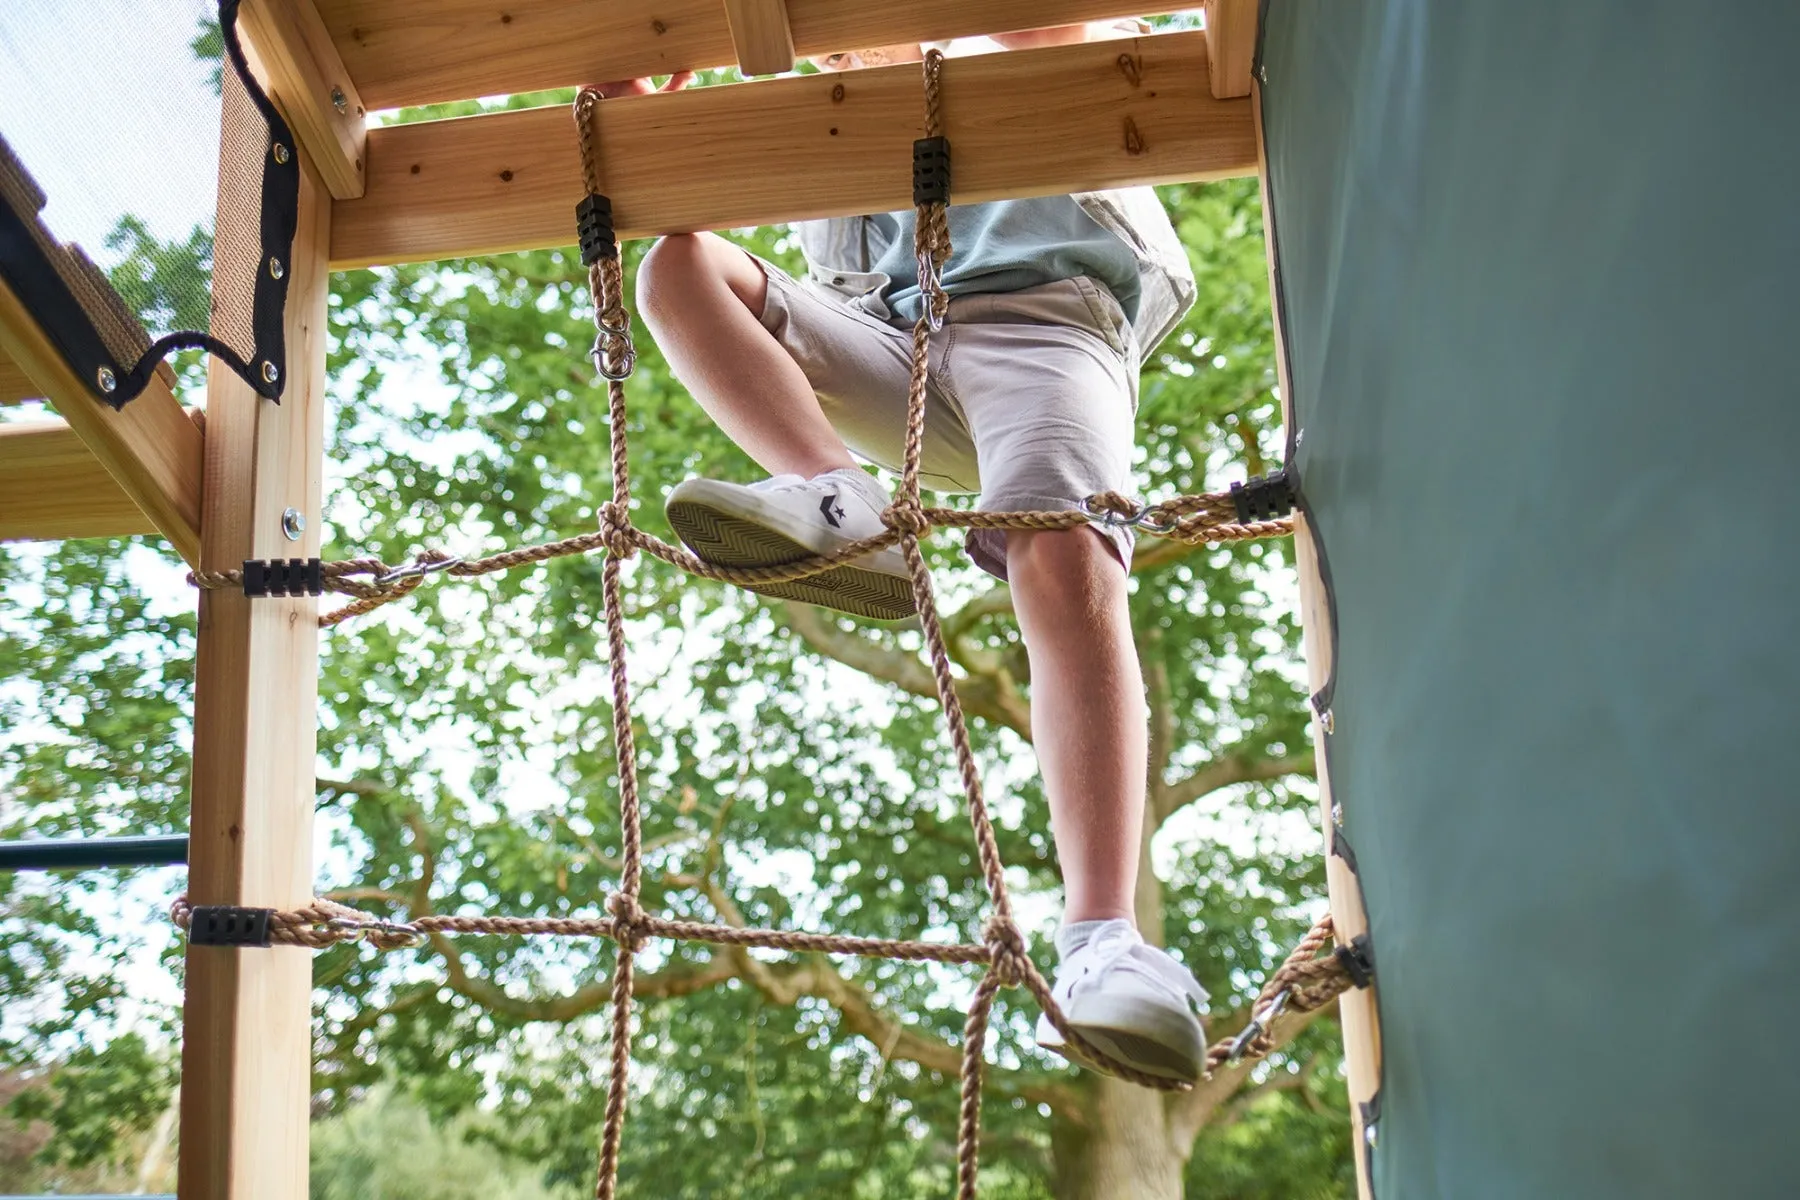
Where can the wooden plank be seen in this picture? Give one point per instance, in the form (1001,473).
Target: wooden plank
(1356,1008)
(407,52)
(309,83)
(246,1069)
(15,385)
(1231,45)
(150,446)
(1136,111)
(52,487)
(760,36)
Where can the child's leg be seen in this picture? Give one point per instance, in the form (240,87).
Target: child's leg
(1088,718)
(703,299)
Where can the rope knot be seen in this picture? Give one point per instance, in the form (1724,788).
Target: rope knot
(906,516)
(1006,950)
(631,924)
(616,530)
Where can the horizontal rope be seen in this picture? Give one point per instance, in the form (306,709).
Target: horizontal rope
(1202,519)
(1310,980)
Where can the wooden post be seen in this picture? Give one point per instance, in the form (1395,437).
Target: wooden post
(247,1051)
(760,36)
(1356,1008)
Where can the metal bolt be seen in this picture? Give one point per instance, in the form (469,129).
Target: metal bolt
(1337,815)
(1327,722)
(338,101)
(1369,1135)
(1262,73)
(107,380)
(293,524)
(270,372)
(281,153)
(276,270)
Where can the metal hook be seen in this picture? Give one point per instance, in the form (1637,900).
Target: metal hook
(1259,1024)
(627,361)
(416,568)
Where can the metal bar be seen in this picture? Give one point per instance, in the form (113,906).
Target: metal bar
(87,854)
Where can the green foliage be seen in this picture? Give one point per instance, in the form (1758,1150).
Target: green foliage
(466,765)
(388,1148)
(97,1097)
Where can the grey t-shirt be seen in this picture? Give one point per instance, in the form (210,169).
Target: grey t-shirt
(1005,246)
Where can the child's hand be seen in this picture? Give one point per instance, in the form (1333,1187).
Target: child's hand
(642,87)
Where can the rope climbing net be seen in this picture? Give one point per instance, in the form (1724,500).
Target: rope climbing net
(1307,980)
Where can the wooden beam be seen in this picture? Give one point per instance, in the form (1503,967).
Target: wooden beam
(760,36)
(311,86)
(1356,1008)
(150,446)
(408,52)
(1135,111)
(15,385)
(246,1062)
(52,487)
(1231,45)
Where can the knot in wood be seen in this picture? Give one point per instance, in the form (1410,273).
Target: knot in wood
(1006,951)
(615,529)
(906,516)
(631,924)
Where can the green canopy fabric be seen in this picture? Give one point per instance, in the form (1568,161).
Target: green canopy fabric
(1540,266)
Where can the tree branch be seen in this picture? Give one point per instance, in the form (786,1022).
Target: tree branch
(990,697)
(1224,772)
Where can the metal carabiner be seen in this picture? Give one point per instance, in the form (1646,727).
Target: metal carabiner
(931,286)
(1259,1024)
(420,569)
(627,361)
(361,930)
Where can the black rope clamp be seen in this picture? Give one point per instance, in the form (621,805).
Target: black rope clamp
(228,925)
(284,577)
(1263,497)
(594,226)
(931,171)
(1358,960)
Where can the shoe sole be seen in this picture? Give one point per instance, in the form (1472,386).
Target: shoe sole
(727,539)
(1134,1050)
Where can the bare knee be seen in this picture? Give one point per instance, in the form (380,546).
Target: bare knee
(690,272)
(1076,564)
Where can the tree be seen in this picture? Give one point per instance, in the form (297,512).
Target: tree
(794,768)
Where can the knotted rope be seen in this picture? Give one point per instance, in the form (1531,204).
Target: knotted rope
(1307,981)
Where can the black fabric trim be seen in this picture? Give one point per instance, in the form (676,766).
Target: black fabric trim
(40,288)
(1341,848)
(1371,1119)
(280,217)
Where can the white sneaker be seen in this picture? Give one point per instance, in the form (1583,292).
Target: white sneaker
(1131,1000)
(786,518)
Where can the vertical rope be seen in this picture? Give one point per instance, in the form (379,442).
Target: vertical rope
(607,283)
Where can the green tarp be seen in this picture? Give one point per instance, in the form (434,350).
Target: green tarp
(1541,271)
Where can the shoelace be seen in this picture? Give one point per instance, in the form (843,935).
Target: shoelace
(1132,954)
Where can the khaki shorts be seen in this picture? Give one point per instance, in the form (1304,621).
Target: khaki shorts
(1032,401)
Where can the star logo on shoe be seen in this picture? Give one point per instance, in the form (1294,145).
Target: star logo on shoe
(832,511)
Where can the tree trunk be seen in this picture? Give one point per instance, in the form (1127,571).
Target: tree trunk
(1123,1149)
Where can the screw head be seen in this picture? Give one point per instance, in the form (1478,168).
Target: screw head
(270,372)
(1327,722)
(281,153)
(1369,1135)
(338,100)
(108,382)
(293,524)
(1337,815)
(276,270)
